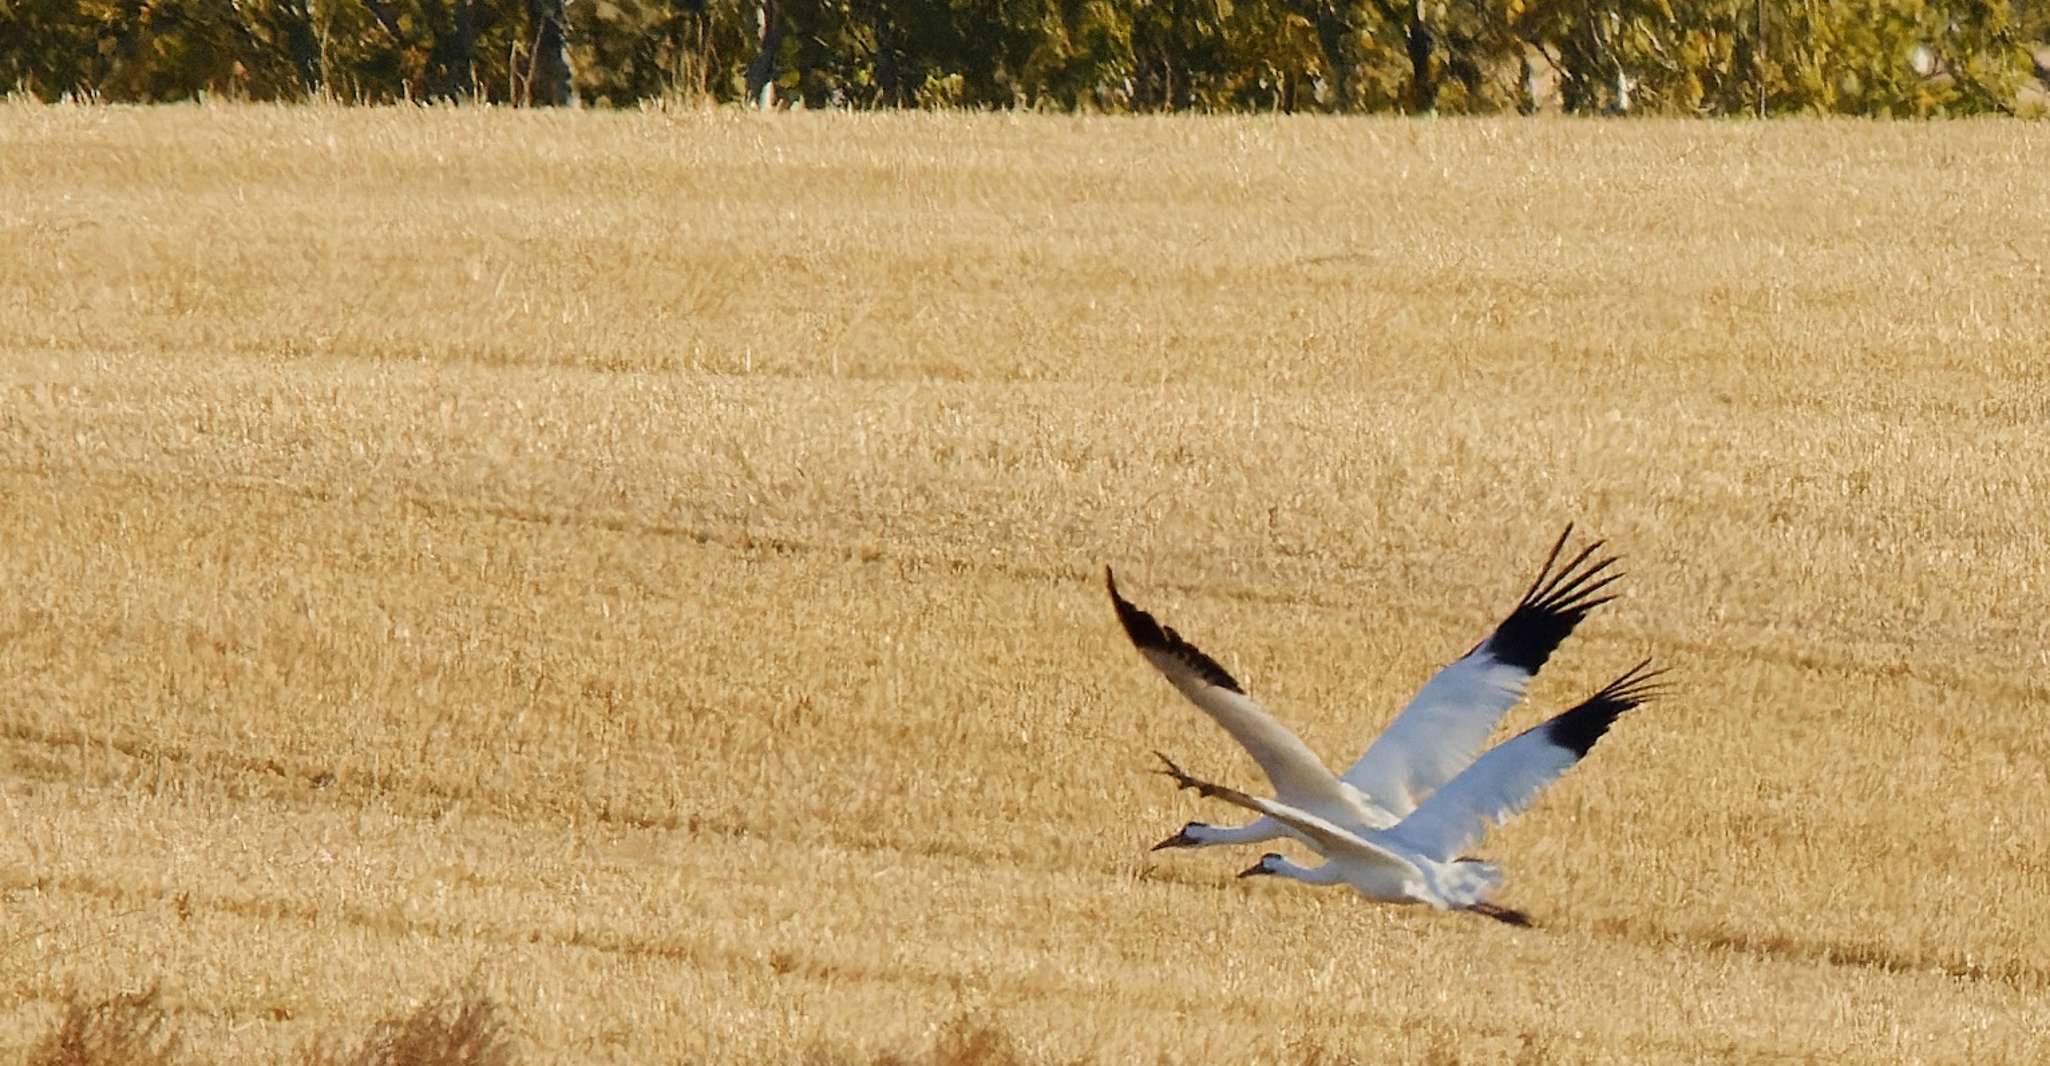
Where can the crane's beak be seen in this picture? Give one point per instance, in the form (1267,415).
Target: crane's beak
(1181,839)
(1258,869)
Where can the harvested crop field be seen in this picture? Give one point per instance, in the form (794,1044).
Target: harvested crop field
(644,571)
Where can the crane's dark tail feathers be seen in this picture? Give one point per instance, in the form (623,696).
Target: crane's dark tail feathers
(1505,915)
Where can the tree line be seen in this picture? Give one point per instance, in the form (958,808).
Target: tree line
(1711,57)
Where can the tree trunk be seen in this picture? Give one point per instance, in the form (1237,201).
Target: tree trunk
(1423,84)
(452,62)
(1333,27)
(1758,58)
(464,61)
(897,76)
(548,73)
(303,46)
(761,72)
(1526,81)
(1580,73)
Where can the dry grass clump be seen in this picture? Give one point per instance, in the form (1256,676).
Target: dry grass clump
(133,1029)
(964,1041)
(127,1029)
(466,1030)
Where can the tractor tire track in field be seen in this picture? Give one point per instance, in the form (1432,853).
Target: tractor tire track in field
(418,795)
(324,785)
(749,542)
(1815,951)
(703,954)
(435,797)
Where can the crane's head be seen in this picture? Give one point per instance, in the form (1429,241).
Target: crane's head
(1193,835)
(1269,863)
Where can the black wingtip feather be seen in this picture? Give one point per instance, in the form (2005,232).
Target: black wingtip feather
(1554,604)
(1147,634)
(1578,729)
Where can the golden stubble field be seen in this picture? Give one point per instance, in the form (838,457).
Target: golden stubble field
(645,569)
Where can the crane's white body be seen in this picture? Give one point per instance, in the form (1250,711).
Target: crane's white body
(1435,736)
(1416,860)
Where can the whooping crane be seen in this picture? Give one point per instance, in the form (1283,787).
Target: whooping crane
(1415,861)
(1435,736)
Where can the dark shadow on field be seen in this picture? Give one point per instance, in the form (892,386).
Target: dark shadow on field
(1793,947)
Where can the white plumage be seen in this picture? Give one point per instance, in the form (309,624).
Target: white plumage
(1432,739)
(1417,859)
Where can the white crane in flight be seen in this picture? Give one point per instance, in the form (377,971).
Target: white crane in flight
(1415,860)
(1436,735)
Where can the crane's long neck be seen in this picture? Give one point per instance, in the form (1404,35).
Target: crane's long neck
(1327,874)
(1204,836)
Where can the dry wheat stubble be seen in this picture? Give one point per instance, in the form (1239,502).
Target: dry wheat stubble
(644,565)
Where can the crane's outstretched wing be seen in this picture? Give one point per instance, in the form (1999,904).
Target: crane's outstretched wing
(1330,840)
(1512,773)
(1298,776)
(1444,726)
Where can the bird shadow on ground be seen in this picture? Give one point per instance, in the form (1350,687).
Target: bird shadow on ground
(1789,947)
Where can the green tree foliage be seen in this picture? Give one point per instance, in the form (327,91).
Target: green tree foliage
(1712,57)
